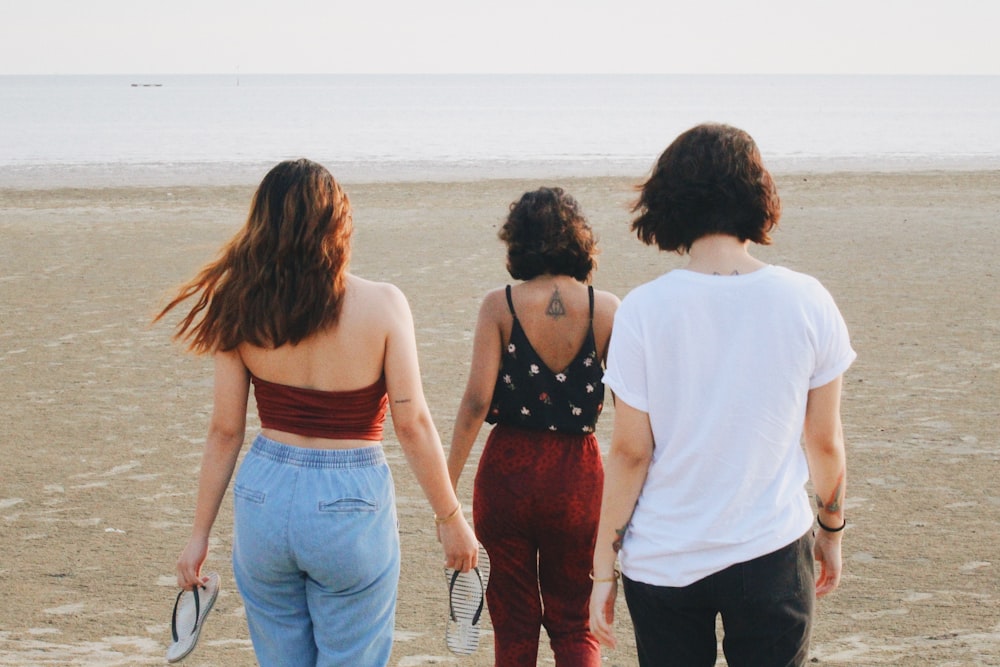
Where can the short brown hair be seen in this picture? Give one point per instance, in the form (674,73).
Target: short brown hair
(710,180)
(546,232)
(282,276)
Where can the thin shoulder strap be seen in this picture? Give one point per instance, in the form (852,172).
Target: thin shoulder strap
(590,291)
(510,303)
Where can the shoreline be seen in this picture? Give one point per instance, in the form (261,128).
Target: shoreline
(222,174)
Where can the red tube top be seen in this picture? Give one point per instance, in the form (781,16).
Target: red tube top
(338,415)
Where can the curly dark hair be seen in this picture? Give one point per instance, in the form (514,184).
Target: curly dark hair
(546,232)
(710,180)
(282,276)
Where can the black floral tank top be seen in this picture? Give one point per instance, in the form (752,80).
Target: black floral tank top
(530,395)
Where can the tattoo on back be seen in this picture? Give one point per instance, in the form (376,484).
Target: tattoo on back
(556,307)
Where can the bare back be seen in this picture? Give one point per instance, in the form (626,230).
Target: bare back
(555,315)
(347,356)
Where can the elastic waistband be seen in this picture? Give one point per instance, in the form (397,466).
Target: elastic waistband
(544,435)
(305,457)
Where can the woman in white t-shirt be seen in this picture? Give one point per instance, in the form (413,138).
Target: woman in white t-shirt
(721,371)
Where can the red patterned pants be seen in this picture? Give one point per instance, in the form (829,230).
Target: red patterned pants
(536,505)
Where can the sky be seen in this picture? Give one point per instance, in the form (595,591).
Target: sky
(500,36)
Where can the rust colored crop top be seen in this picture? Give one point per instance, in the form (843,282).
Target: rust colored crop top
(338,415)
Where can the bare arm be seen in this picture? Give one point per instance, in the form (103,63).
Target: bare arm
(824,447)
(479,388)
(624,474)
(419,438)
(226,431)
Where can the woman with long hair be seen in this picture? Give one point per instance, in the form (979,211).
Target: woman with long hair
(316,546)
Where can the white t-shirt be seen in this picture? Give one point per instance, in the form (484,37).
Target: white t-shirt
(723,366)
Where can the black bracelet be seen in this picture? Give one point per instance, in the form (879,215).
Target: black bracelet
(831,530)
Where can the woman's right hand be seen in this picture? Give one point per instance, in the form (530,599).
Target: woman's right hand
(461,549)
(190,561)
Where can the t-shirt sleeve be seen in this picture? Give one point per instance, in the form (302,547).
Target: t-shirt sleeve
(834,353)
(625,374)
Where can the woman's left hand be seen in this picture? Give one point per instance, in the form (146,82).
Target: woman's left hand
(461,549)
(828,556)
(602,611)
(190,561)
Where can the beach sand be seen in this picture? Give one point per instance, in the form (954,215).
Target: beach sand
(103,416)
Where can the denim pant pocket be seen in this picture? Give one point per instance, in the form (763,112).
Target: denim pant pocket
(348,505)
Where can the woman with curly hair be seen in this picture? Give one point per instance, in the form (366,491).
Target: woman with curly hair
(537,362)
(719,370)
(316,546)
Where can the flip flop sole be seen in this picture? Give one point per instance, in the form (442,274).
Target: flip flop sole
(184,640)
(466,598)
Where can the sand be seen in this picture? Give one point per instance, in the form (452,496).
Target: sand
(103,416)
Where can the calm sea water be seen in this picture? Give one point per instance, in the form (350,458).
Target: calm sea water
(229,128)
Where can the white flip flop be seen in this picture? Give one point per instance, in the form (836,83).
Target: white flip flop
(466,598)
(190,609)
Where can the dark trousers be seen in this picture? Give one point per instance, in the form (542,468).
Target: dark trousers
(766,606)
(536,505)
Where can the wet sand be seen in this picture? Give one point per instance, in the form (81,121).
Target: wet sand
(104,417)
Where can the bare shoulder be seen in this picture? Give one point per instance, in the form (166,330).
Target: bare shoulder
(494,306)
(375,307)
(372,292)
(605,303)
(605,306)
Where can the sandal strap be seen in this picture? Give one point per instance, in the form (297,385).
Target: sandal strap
(482,598)
(197,612)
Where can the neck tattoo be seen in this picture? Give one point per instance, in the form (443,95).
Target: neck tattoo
(556,307)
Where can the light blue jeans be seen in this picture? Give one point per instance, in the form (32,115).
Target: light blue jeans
(316,554)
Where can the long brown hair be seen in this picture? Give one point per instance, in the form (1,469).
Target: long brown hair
(282,276)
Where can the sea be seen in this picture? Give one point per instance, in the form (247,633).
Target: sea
(222,129)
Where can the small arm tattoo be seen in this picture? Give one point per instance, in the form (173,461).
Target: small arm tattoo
(834,503)
(619,537)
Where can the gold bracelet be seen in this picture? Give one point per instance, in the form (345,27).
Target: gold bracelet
(606,580)
(439,520)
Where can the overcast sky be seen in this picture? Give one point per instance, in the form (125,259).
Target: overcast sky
(516,36)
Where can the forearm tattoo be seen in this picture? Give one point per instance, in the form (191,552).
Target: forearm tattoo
(619,536)
(834,503)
